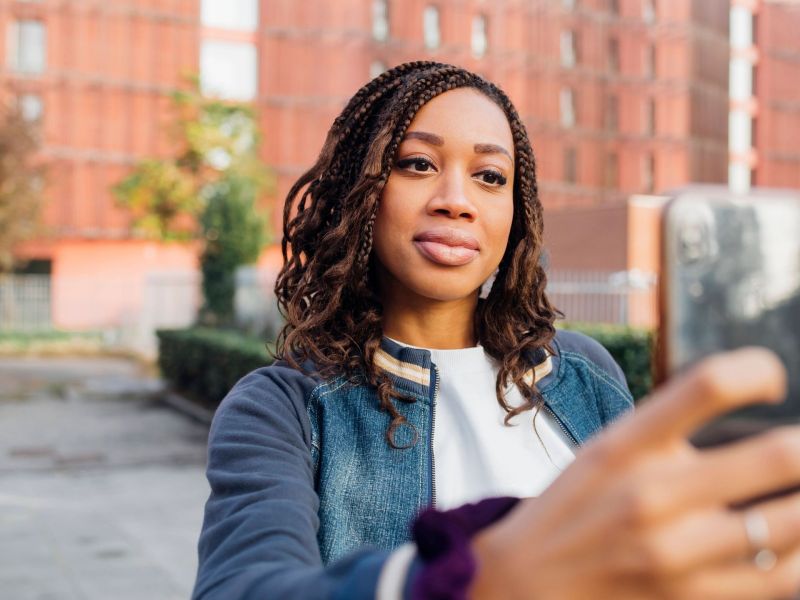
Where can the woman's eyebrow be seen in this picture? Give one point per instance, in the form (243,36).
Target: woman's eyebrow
(436,140)
(431,138)
(492,149)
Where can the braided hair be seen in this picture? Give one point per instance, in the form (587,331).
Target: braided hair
(326,289)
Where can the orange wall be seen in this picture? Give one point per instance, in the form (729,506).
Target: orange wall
(101,283)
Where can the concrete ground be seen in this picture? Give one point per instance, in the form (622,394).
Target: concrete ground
(102,486)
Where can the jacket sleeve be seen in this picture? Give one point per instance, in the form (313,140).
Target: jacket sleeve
(259,536)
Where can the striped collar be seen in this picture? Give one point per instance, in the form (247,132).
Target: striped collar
(412,370)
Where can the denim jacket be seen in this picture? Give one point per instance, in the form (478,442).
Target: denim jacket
(308,499)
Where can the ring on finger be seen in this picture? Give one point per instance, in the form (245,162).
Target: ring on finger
(757,530)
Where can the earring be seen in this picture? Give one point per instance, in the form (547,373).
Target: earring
(487,285)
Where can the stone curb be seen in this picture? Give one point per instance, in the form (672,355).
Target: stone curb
(187,407)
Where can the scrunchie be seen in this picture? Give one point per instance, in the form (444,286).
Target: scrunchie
(443,544)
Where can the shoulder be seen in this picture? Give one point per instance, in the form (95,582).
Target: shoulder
(576,346)
(269,398)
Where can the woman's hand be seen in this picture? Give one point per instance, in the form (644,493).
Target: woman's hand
(643,514)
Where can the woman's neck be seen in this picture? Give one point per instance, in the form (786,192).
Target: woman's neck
(430,324)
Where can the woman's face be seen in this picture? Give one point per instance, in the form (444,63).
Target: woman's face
(446,210)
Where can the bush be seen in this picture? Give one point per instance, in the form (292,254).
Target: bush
(631,348)
(206,362)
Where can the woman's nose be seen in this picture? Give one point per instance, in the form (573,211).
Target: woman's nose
(450,200)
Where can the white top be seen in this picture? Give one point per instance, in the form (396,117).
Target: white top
(475,454)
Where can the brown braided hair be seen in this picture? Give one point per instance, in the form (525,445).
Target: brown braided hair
(326,290)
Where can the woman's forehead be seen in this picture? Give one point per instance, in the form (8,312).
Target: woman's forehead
(465,113)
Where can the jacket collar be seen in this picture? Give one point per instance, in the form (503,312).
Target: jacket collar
(411,369)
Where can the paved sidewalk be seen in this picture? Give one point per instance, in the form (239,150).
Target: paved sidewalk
(101,485)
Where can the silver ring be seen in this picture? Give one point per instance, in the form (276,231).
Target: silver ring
(757,530)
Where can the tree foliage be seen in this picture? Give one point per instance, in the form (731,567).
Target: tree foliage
(21,183)
(212,182)
(213,140)
(234,235)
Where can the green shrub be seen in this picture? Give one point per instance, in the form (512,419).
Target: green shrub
(632,349)
(207,362)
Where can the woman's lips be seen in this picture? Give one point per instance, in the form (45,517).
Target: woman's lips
(447,246)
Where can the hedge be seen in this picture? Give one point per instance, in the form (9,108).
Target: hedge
(632,348)
(207,362)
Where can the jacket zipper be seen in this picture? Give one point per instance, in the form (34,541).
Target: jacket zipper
(570,437)
(433,422)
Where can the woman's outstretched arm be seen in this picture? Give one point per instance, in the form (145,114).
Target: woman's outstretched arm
(259,537)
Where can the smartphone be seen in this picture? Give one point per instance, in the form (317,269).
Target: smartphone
(730,277)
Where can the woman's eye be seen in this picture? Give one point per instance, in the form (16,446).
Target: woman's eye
(492,178)
(418,165)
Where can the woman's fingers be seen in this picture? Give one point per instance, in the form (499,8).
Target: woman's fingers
(743,470)
(741,581)
(662,424)
(716,536)
(714,387)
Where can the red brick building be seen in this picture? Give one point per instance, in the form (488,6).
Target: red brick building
(620,97)
(777,92)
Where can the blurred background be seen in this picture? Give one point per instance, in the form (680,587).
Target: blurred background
(146,147)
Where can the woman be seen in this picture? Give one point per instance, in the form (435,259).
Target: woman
(381,403)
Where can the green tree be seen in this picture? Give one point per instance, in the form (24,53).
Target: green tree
(234,235)
(208,190)
(213,139)
(21,180)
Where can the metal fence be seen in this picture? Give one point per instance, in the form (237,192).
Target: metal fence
(25,303)
(619,297)
(172,299)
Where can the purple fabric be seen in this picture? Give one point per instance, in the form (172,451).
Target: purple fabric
(443,538)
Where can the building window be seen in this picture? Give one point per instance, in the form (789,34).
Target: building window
(31,107)
(571,165)
(569,49)
(650,116)
(612,113)
(613,54)
(611,176)
(650,61)
(613,6)
(648,172)
(649,11)
(741,78)
(380,20)
(27,46)
(430,28)
(228,70)
(480,36)
(566,105)
(376,68)
(239,15)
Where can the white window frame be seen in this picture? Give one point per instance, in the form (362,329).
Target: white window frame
(566,107)
(569,49)
(31,107)
(20,58)
(380,20)
(376,67)
(233,15)
(227,82)
(431,27)
(479,38)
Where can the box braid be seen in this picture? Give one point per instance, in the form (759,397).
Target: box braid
(326,289)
